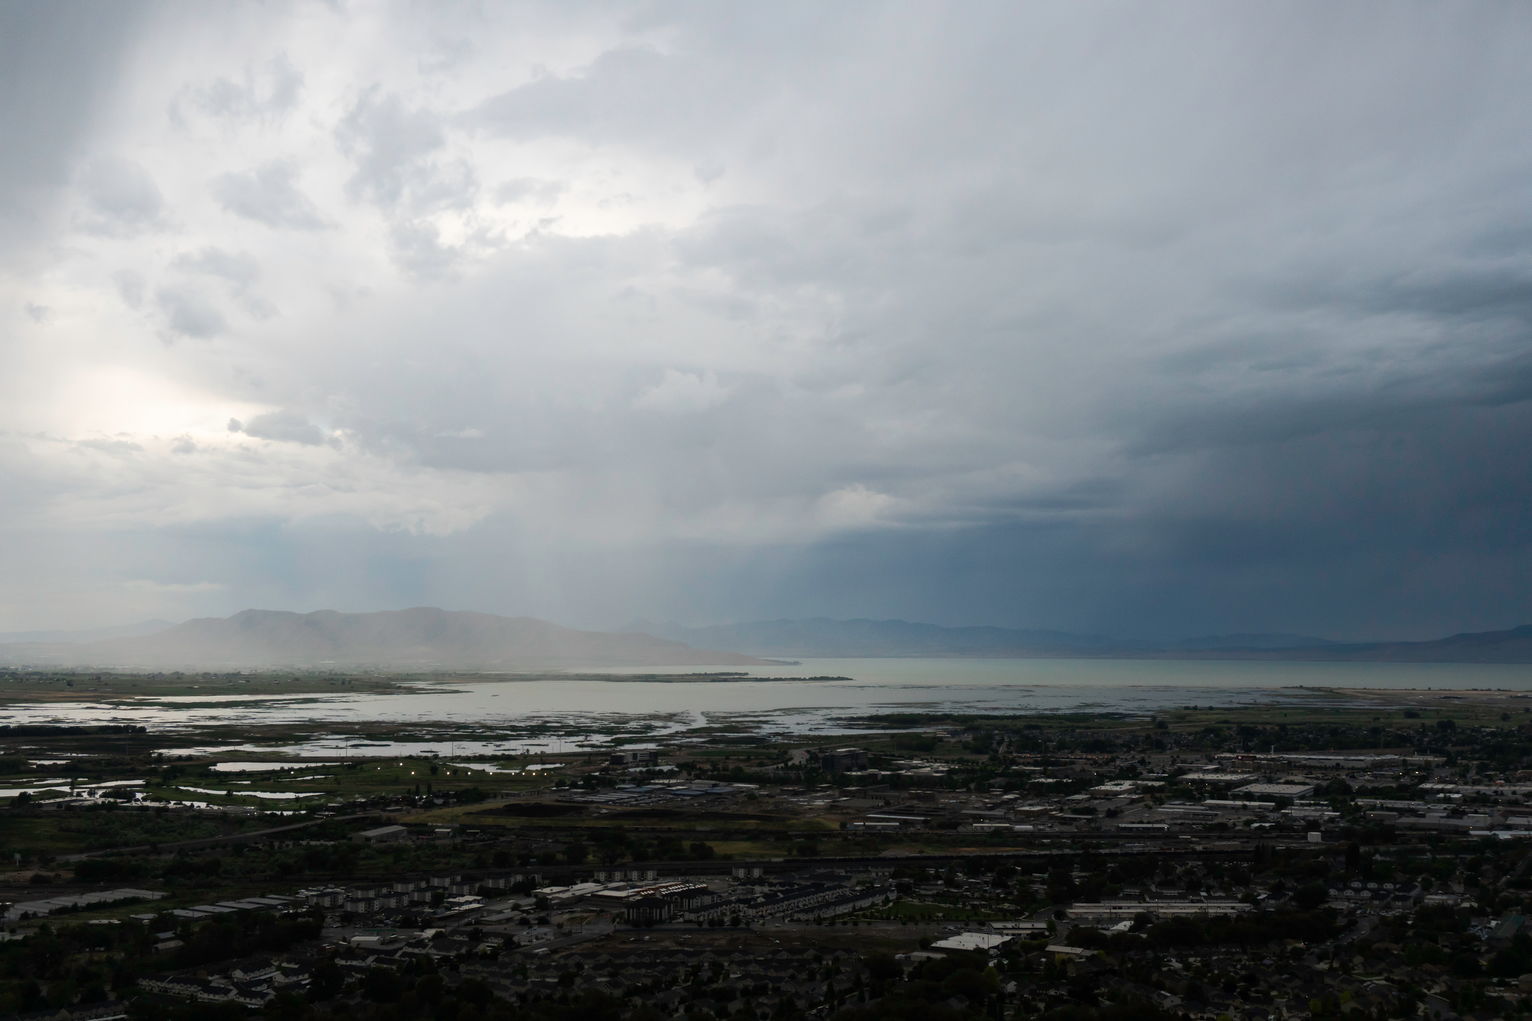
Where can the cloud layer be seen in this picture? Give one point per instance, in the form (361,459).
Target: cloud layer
(1157,320)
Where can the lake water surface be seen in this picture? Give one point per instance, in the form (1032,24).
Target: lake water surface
(771,700)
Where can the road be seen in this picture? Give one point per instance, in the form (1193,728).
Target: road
(229,838)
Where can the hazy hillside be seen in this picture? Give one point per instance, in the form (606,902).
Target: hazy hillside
(824,637)
(873,638)
(428,638)
(1252,641)
(421,638)
(1510,646)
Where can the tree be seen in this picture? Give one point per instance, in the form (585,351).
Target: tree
(381,985)
(325,980)
(1310,896)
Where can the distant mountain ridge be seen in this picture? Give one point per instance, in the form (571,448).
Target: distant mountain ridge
(1513,645)
(877,638)
(426,638)
(423,638)
(821,636)
(1252,641)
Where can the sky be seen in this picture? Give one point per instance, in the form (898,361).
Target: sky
(1133,318)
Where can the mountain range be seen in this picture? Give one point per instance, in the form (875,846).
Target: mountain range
(426,638)
(822,636)
(873,638)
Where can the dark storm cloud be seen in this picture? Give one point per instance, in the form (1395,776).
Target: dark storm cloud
(190,313)
(624,92)
(1140,318)
(270,90)
(394,147)
(417,248)
(268,194)
(283,426)
(121,198)
(130,287)
(45,113)
(529,189)
(240,269)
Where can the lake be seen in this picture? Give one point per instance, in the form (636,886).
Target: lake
(580,710)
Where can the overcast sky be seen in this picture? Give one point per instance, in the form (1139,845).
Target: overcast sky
(1145,318)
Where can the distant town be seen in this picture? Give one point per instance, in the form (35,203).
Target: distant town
(1364,860)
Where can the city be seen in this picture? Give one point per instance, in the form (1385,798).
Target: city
(1345,859)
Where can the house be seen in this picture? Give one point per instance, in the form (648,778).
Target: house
(381,835)
(832,760)
(972,941)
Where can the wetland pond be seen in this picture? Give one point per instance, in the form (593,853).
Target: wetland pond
(492,714)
